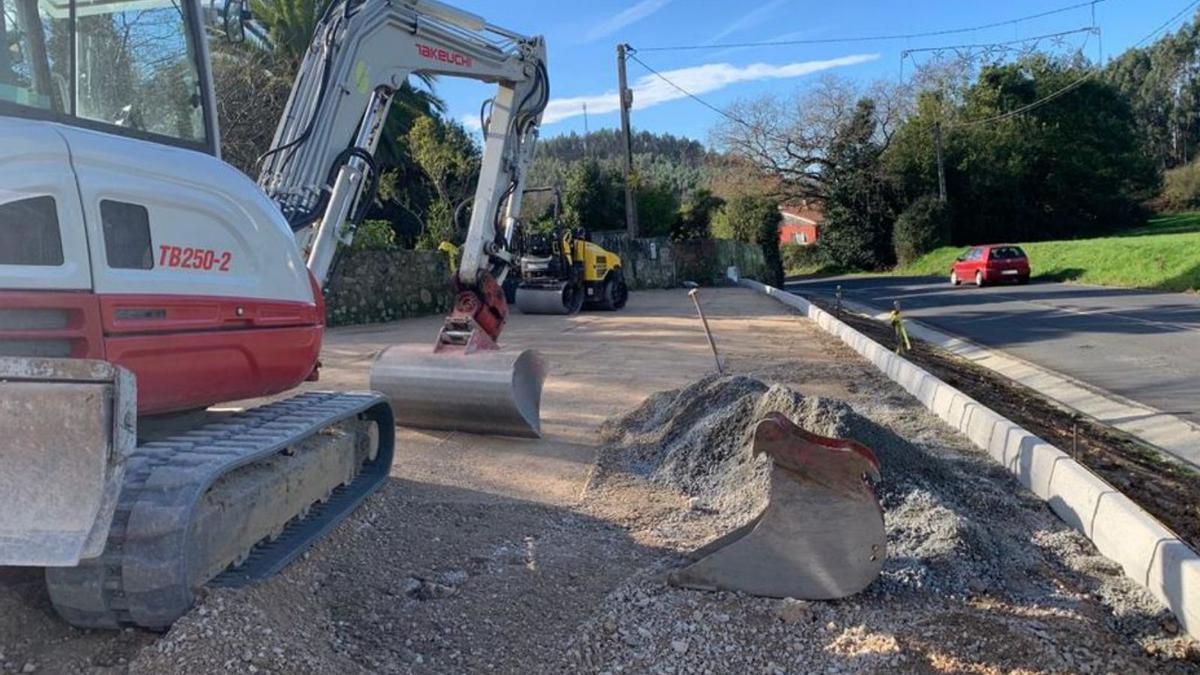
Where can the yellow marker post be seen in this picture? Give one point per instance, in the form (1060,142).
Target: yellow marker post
(451,252)
(902,342)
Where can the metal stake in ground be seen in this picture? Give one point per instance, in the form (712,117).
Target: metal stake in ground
(694,294)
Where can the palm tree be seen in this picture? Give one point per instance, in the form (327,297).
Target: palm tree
(291,24)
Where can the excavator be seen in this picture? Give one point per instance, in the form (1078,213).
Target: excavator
(144,280)
(145,285)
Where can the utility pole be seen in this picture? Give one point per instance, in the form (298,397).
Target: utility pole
(631,223)
(586,132)
(941,163)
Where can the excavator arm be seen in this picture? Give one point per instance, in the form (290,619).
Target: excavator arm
(321,171)
(321,167)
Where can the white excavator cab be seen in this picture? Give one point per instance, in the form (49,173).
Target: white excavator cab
(132,259)
(136,71)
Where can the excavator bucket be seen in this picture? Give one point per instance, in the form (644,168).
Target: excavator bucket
(67,426)
(821,535)
(486,391)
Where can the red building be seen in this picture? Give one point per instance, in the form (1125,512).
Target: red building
(801,223)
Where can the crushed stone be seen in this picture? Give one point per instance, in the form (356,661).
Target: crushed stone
(980,575)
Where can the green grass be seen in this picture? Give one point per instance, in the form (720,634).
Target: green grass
(816,270)
(1164,254)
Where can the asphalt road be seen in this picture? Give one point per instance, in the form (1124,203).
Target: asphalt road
(1142,345)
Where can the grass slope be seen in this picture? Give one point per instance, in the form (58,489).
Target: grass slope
(1164,255)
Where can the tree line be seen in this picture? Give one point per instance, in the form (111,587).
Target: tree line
(1074,162)
(1085,160)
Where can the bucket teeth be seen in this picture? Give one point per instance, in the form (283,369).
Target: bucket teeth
(821,535)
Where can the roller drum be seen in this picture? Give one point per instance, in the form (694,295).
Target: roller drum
(486,392)
(561,299)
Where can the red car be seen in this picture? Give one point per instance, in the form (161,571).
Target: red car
(991,264)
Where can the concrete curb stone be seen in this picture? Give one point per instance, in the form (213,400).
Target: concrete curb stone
(1147,551)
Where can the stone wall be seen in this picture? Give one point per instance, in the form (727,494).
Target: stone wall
(378,286)
(659,262)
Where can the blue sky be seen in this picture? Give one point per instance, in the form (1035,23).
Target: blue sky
(582,36)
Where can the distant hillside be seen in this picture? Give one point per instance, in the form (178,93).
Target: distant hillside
(660,159)
(606,144)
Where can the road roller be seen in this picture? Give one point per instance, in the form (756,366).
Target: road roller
(562,271)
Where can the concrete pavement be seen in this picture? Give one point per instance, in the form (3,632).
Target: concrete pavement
(600,363)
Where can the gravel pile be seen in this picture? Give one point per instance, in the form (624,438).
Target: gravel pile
(980,575)
(696,440)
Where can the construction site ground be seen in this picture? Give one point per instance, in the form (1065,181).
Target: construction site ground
(484,554)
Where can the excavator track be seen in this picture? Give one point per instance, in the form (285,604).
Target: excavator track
(228,503)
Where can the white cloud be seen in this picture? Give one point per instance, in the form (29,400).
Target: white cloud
(748,20)
(618,21)
(650,90)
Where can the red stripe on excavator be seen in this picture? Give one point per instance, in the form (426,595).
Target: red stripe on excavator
(49,316)
(126,314)
(186,351)
(179,371)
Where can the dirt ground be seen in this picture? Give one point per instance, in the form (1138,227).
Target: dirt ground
(494,555)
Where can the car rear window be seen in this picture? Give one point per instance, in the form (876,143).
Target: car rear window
(1007,253)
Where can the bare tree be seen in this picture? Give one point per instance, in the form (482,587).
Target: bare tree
(789,139)
(252,89)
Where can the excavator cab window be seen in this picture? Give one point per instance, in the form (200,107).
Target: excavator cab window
(35,58)
(130,67)
(29,233)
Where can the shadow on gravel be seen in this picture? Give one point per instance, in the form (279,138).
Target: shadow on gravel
(422,576)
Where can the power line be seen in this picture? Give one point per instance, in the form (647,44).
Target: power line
(878,38)
(1078,82)
(990,50)
(733,118)
(1032,39)
(632,54)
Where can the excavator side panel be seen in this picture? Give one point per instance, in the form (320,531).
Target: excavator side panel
(69,425)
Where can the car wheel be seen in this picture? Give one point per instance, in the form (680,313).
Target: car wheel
(979,279)
(954,278)
(1023,280)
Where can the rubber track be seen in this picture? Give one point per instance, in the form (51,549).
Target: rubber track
(143,578)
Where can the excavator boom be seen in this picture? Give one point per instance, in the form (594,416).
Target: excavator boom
(320,170)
